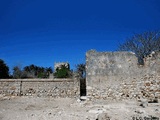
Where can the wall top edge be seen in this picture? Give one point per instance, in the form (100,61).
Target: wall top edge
(109,52)
(36,80)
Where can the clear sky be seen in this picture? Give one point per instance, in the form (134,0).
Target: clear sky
(42,32)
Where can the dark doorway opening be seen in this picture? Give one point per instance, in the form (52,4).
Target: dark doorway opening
(83,87)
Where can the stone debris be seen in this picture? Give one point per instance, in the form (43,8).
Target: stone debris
(103,116)
(34,108)
(97,110)
(83,98)
(143,103)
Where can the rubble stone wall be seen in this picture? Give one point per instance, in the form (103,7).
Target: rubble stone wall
(117,75)
(40,87)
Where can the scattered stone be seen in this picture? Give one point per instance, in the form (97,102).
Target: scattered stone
(59,109)
(97,111)
(156,110)
(49,113)
(83,98)
(78,100)
(103,116)
(87,118)
(151,118)
(139,112)
(153,101)
(1,96)
(144,103)
(59,112)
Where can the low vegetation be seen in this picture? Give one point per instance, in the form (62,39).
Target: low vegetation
(31,71)
(63,72)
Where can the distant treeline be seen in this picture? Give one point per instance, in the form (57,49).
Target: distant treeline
(31,71)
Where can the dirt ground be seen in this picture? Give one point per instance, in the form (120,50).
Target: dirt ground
(33,108)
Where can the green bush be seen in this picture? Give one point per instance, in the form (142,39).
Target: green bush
(62,72)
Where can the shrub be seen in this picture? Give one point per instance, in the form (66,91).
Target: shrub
(62,72)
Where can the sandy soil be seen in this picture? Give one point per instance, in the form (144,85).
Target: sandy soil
(32,108)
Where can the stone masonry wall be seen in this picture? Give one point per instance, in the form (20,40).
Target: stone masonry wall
(40,87)
(116,75)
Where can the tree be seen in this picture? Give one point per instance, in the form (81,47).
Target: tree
(34,71)
(49,70)
(81,70)
(17,72)
(142,44)
(4,70)
(62,72)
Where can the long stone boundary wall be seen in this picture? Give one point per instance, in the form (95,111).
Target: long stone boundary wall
(40,87)
(116,75)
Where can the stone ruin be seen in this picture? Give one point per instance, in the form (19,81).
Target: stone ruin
(109,75)
(116,75)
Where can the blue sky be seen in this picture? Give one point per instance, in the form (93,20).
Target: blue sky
(42,32)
